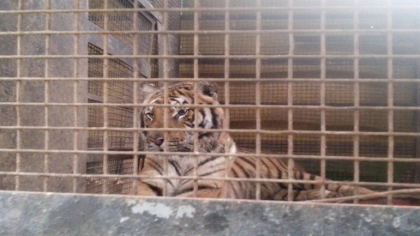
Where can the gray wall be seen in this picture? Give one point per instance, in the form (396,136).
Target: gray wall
(61,91)
(34,91)
(91,215)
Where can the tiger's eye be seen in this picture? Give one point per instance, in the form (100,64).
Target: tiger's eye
(182,112)
(149,115)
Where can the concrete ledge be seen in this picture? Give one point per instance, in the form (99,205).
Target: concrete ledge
(65,214)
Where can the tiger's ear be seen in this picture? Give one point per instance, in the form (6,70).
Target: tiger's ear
(208,89)
(148,89)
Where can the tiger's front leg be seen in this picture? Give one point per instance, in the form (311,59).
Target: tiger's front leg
(144,189)
(150,186)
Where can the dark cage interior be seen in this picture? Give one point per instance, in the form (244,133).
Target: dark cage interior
(333,84)
(325,71)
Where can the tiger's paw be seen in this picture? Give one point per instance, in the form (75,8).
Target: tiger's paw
(329,194)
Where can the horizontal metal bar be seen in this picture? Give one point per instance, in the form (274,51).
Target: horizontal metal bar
(280,156)
(249,80)
(367,196)
(233,179)
(309,107)
(231,130)
(369,31)
(295,107)
(372,56)
(251,9)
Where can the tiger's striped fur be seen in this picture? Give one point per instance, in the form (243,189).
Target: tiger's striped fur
(212,168)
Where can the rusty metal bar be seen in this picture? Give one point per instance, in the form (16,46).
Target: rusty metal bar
(165,45)
(356,141)
(312,107)
(136,110)
(390,73)
(372,56)
(417,118)
(215,9)
(226,123)
(344,133)
(105,84)
(208,32)
(290,146)
(323,151)
(295,80)
(76,83)
(196,77)
(413,188)
(283,156)
(18,97)
(258,98)
(46,96)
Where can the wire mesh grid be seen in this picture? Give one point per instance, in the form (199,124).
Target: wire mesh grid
(330,83)
(118,92)
(116,185)
(122,21)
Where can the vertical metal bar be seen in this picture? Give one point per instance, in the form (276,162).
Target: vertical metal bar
(75,96)
(46,95)
(196,39)
(18,97)
(290,146)
(322,100)
(258,98)
(417,113)
(165,94)
(227,86)
(105,98)
(196,75)
(417,117)
(136,95)
(390,102)
(356,141)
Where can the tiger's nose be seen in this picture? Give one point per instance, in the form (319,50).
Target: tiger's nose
(158,141)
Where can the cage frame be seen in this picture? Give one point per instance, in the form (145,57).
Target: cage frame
(399,219)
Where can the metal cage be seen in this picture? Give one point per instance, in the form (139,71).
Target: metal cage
(331,84)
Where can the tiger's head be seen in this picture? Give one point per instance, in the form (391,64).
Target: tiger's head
(182,116)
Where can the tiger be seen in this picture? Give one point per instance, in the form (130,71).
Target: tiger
(215,161)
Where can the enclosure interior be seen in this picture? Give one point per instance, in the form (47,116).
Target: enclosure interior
(332,83)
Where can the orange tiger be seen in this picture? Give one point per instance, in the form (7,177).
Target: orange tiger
(211,168)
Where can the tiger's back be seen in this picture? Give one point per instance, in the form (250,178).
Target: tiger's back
(204,160)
